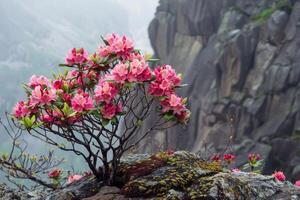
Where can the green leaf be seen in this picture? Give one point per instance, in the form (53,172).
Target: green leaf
(139,122)
(105,122)
(153,60)
(169,117)
(104,40)
(4,156)
(61,145)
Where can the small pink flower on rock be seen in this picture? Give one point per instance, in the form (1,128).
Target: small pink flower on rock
(253,158)
(297,183)
(279,175)
(216,158)
(236,170)
(55,173)
(73,178)
(229,158)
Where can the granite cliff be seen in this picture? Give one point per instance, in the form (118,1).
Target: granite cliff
(241,59)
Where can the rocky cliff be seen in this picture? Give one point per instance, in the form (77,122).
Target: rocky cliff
(169,176)
(241,59)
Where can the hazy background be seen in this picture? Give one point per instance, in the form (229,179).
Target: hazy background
(35,36)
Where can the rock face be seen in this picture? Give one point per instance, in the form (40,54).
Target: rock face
(241,59)
(168,175)
(180,176)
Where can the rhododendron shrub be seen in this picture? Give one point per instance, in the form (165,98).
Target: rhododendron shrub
(99,93)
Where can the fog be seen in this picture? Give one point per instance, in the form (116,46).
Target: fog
(35,36)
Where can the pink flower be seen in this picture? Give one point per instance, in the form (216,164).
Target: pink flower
(139,71)
(253,158)
(166,72)
(120,72)
(73,178)
(216,158)
(82,101)
(170,152)
(184,116)
(57,84)
(77,56)
(229,158)
(119,45)
(297,183)
(166,80)
(21,110)
(173,103)
(42,96)
(236,170)
(38,81)
(105,91)
(46,118)
(279,176)
(108,111)
(55,173)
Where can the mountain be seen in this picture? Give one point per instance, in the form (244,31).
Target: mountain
(241,60)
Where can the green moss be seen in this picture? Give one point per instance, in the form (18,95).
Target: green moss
(179,172)
(266,13)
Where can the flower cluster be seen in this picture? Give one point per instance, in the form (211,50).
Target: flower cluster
(96,85)
(253,158)
(116,45)
(229,158)
(77,57)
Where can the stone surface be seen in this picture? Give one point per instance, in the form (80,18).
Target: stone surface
(177,175)
(239,64)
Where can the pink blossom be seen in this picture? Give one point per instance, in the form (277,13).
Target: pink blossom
(184,116)
(105,91)
(42,96)
(82,101)
(21,110)
(73,178)
(57,84)
(236,170)
(104,51)
(166,80)
(297,183)
(170,152)
(253,158)
(279,175)
(77,56)
(216,158)
(46,118)
(120,72)
(119,45)
(55,173)
(139,71)
(229,158)
(173,103)
(38,81)
(108,111)
(166,72)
